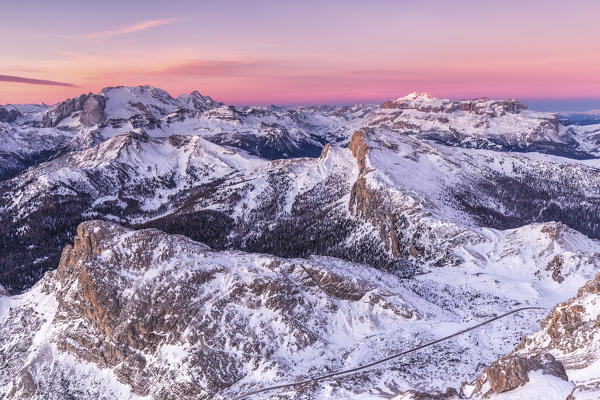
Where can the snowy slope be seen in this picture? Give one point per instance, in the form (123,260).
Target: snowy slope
(479,186)
(24,142)
(587,137)
(571,334)
(202,322)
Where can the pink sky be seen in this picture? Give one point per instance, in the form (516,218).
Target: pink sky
(309,52)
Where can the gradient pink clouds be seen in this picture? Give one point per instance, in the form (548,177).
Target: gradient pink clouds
(309,52)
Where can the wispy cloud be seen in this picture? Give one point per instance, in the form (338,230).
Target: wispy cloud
(30,81)
(138,26)
(220,67)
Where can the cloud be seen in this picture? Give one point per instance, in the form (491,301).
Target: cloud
(138,26)
(30,81)
(223,67)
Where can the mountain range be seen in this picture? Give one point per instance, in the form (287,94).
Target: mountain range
(181,248)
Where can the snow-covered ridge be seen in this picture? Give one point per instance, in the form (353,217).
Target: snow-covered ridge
(36,132)
(415,96)
(203,322)
(505,125)
(271,132)
(425,101)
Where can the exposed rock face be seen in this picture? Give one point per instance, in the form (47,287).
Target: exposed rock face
(123,322)
(402,222)
(359,148)
(567,347)
(572,331)
(9,115)
(89,106)
(92,112)
(512,371)
(424,102)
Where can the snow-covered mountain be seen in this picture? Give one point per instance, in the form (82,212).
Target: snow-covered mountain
(325,237)
(130,314)
(482,123)
(390,199)
(580,118)
(37,133)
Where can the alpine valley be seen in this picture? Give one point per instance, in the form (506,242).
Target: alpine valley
(154,247)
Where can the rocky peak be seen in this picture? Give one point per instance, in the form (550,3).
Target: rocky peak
(196,101)
(89,107)
(325,151)
(9,114)
(359,148)
(512,371)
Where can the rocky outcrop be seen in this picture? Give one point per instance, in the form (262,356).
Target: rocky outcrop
(359,149)
(90,108)
(9,115)
(121,330)
(512,371)
(401,221)
(371,203)
(567,346)
(572,328)
(338,286)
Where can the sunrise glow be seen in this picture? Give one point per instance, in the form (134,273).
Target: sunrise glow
(309,52)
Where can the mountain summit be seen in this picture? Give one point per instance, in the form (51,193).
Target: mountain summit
(416,96)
